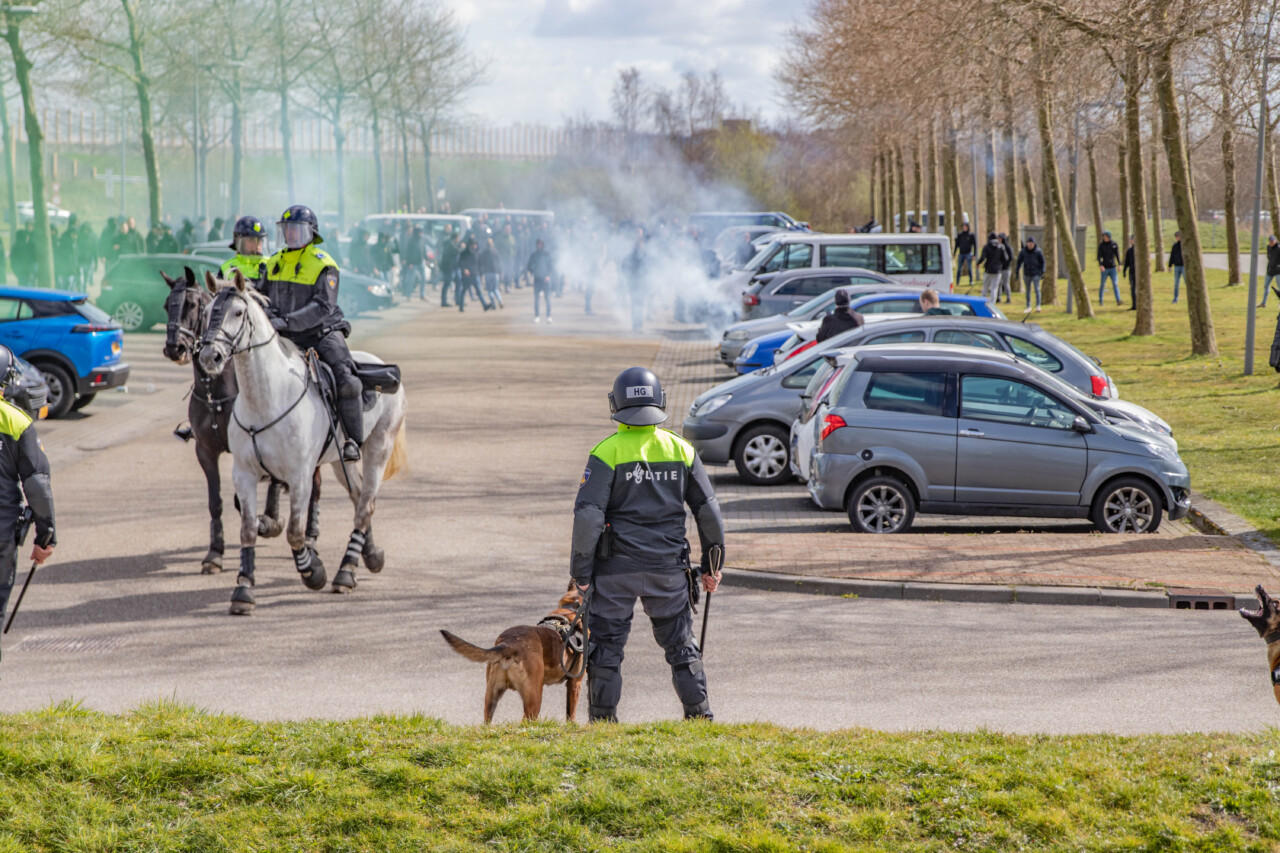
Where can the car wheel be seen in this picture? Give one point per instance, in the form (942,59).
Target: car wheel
(82,401)
(130,315)
(881,505)
(1127,505)
(62,388)
(762,456)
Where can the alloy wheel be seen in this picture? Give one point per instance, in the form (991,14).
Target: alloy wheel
(882,509)
(1128,509)
(129,315)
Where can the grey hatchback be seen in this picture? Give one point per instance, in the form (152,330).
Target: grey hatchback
(930,429)
(792,288)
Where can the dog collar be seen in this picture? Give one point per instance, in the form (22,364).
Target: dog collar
(1273,637)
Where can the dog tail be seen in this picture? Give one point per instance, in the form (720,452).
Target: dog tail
(472,652)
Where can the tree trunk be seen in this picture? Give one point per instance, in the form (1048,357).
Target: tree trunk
(340,161)
(1049,286)
(989,163)
(1199,311)
(1229,189)
(1044,115)
(1157,215)
(902,187)
(1122,170)
(1145,321)
(35,154)
(377,160)
(1010,172)
(1093,188)
(425,130)
(1273,191)
(282,91)
(875,163)
(142,85)
(932,190)
(6,135)
(1028,184)
(948,193)
(953,168)
(887,184)
(917,188)
(237,144)
(408,176)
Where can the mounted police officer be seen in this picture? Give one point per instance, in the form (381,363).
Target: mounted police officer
(302,284)
(24,472)
(249,242)
(629,543)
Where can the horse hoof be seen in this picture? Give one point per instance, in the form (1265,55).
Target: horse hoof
(315,578)
(212,563)
(375,560)
(242,602)
(344,581)
(268,527)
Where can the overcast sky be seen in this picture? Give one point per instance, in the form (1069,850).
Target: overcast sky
(553,59)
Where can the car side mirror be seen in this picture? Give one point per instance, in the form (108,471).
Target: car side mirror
(1081,425)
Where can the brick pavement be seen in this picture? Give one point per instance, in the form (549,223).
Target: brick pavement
(780,530)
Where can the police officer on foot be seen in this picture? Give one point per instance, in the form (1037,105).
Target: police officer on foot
(302,285)
(629,543)
(24,472)
(248,241)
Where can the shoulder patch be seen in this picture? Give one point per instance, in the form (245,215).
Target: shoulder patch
(586,475)
(321,255)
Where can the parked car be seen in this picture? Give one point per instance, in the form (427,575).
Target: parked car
(934,429)
(27,389)
(736,336)
(789,290)
(220,249)
(75,345)
(712,223)
(1026,340)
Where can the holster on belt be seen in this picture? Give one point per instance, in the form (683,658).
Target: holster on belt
(23,526)
(691,577)
(604,548)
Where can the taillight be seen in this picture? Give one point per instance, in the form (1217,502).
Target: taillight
(750,299)
(92,327)
(831,423)
(1100,388)
(795,352)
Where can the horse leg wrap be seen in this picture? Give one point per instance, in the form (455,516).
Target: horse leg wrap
(313,522)
(309,567)
(355,547)
(242,601)
(246,567)
(374,557)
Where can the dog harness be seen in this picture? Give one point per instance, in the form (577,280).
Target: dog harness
(1273,637)
(571,625)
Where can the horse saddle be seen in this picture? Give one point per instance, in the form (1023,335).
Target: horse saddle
(374,379)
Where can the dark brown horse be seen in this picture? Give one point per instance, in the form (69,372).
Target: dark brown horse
(209,413)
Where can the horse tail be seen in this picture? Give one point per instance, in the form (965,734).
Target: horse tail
(475,653)
(399,460)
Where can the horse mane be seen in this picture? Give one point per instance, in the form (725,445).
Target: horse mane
(250,292)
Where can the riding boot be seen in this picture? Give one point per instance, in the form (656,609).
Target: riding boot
(351,413)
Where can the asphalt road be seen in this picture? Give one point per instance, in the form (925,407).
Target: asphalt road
(502,414)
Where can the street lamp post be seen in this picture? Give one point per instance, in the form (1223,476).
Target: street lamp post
(1251,322)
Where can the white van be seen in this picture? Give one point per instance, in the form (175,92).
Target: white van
(913,260)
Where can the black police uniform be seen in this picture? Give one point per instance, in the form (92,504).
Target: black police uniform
(629,543)
(24,471)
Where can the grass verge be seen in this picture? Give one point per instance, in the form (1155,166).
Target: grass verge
(1227,424)
(168,778)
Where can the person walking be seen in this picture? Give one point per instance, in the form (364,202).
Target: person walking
(966,245)
(468,272)
(1176,264)
(629,543)
(542,271)
(23,257)
(448,263)
(1273,268)
(1130,271)
(1005,269)
(990,260)
(1108,259)
(506,246)
(842,319)
(491,272)
(633,267)
(1031,268)
(24,475)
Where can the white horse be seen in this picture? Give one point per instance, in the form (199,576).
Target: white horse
(281,428)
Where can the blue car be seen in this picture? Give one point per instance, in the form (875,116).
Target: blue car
(76,345)
(759,351)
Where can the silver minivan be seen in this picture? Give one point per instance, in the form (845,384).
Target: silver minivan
(935,430)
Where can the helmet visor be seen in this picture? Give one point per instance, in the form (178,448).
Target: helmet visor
(249,245)
(294,235)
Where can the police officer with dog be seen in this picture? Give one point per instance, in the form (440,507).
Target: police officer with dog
(24,474)
(248,241)
(629,543)
(302,285)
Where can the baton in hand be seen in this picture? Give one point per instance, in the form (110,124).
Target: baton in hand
(43,542)
(715,557)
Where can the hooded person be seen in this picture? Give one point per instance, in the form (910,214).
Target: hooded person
(842,319)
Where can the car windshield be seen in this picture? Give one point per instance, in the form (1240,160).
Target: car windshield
(761,256)
(92,313)
(812,305)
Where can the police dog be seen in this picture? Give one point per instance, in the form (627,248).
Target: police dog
(528,657)
(1267,620)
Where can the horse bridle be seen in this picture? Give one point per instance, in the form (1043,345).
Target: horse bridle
(181,333)
(221,336)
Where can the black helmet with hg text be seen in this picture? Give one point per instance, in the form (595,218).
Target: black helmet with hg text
(298,227)
(637,398)
(247,226)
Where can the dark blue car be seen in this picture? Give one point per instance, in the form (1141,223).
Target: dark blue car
(76,345)
(760,351)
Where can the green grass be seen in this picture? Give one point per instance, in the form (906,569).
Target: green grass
(1227,424)
(166,778)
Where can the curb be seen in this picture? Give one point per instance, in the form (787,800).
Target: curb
(1214,519)
(967,593)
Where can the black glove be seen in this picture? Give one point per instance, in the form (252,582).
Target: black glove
(279,324)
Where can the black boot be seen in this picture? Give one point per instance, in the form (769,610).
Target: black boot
(351,413)
(350,451)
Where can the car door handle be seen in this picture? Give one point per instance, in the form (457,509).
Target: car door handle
(971,431)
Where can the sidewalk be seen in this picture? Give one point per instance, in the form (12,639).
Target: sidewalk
(780,530)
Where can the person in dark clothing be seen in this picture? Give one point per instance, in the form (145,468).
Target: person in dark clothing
(167,244)
(358,254)
(468,275)
(1031,267)
(930,304)
(542,271)
(842,319)
(1006,269)
(215,233)
(1108,259)
(746,251)
(448,264)
(491,271)
(966,246)
(1273,268)
(1176,264)
(23,257)
(413,254)
(991,260)
(1130,272)
(187,234)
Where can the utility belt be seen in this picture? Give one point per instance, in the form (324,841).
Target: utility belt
(604,553)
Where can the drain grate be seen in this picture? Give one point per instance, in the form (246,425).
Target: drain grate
(70,644)
(1201,599)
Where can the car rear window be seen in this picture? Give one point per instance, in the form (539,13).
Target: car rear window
(907,258)
(966,338)
(1033,353)
(92,313)
(956,309)
(897,338)
(910,305)
(914,393)
(800,379)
